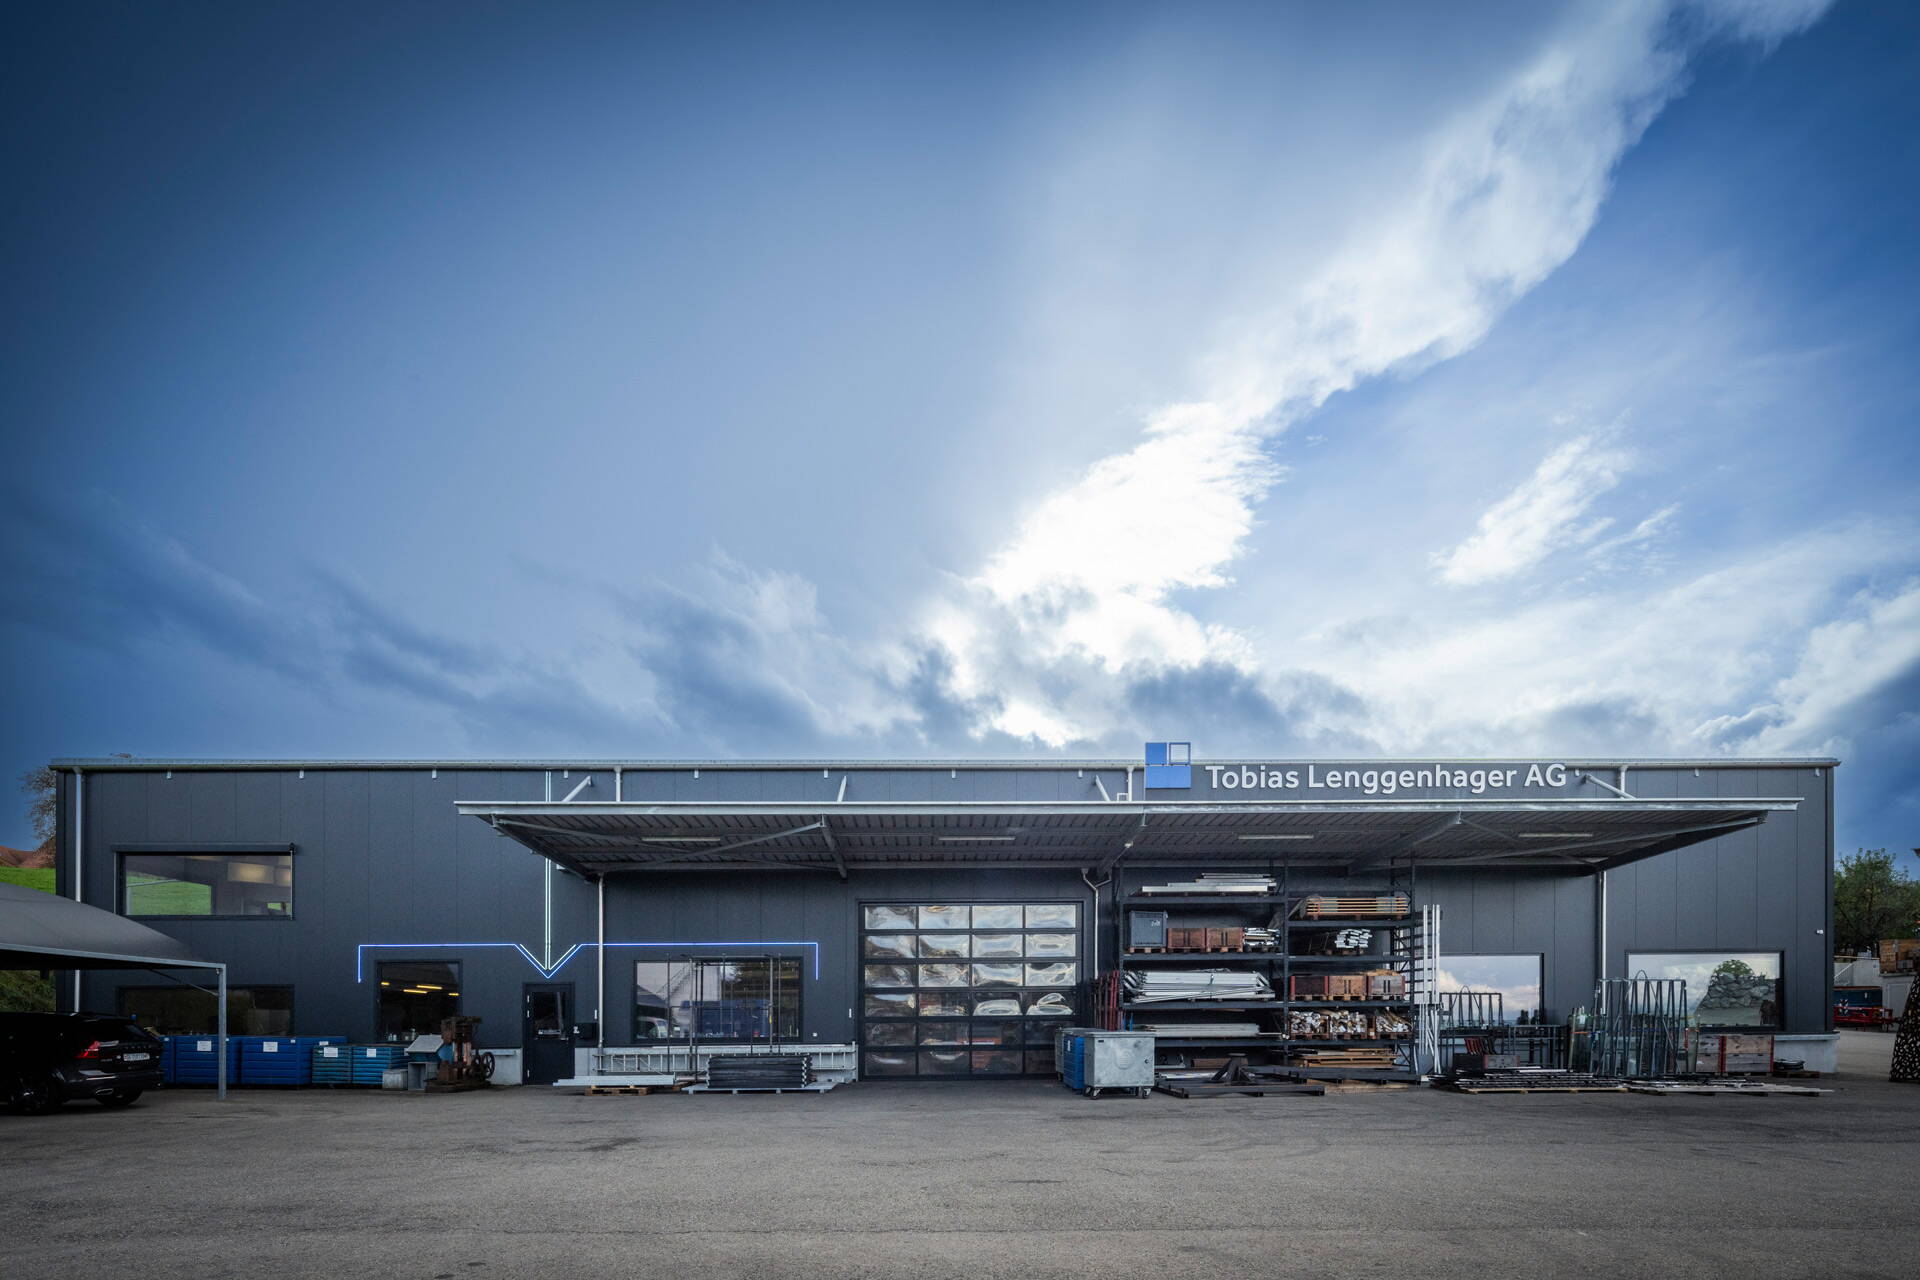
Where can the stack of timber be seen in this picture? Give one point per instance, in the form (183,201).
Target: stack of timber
(1354,1058)
(1325,906)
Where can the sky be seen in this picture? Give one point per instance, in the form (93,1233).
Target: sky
(647,381)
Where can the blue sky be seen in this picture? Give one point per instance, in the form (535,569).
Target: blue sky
(896,380)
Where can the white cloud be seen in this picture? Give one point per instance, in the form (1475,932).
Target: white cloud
(1504,192)
(1541,515)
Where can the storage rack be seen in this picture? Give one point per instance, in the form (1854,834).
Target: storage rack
(1279,965)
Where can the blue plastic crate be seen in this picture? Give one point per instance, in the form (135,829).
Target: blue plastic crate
(372,1061)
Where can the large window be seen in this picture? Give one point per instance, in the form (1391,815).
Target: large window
(1738,989)
(742,998)
(206,884)
(415,995)
(966,989)
(183,1011)
(1484,990)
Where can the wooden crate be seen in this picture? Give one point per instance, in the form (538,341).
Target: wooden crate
(1226,939)
(1386,984)
(1183,939)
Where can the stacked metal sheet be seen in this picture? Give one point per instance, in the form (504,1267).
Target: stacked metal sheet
(1203,1030)
(759,1071)
(1145,986)
(1217,882)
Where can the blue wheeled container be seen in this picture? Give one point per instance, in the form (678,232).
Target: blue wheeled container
(332,1063)
(371,1062)
(196,1060)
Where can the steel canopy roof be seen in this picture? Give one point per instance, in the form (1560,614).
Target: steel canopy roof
(594,839)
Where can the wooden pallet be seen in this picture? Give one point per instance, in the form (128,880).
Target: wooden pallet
(1730,1090)
(1540,1088)
(632,1090)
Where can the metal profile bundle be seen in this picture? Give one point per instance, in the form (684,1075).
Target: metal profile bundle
(769,1071)
(1638,1027)
(1252,885)
(1155,986)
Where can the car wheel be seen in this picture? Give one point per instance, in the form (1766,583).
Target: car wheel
(33,1097)
(120,1097)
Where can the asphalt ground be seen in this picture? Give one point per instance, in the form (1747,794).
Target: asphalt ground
(972,1180)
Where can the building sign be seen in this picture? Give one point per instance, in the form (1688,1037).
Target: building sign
(1169,765)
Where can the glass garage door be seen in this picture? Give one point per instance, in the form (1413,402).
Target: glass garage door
(966,989)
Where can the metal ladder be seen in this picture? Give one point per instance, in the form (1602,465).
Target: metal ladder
(1421,945)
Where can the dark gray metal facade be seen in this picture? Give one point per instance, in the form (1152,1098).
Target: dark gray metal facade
(382,857)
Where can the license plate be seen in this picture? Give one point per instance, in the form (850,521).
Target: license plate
(135,1057)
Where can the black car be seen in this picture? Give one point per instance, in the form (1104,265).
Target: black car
(48,1058)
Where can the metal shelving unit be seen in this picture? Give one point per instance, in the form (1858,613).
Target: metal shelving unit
(1401,952)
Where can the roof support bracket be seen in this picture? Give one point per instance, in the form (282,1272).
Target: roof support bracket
(1588,776)
(1384,857)
(833,846)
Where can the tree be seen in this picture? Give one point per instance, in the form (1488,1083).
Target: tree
(43,808)
(1872,899)
(1733,969)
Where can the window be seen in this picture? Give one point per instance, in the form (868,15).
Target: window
(415,995)
(1489,989)
(183,1011)
(1724,989)
(206,884)
(726,998)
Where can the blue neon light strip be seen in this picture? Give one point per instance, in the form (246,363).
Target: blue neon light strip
(360,952)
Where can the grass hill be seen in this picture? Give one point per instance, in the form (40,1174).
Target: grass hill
(40,878)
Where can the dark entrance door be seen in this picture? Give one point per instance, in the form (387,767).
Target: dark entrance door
(546,1031)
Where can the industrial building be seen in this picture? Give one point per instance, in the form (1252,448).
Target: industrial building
(942,916)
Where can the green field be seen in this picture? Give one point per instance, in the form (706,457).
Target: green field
(156,896)
(40,878)
(23,991)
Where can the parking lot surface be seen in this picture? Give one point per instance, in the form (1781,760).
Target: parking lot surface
(975,1180)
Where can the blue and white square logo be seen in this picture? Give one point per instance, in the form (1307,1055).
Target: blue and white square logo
(1169,764)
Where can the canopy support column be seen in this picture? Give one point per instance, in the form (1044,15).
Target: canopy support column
(600,959)
(221,1091)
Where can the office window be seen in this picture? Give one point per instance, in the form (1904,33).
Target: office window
(1484,990)
(415,995)
(206,884)
(183,1011)
(742,998)
(1725,989)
